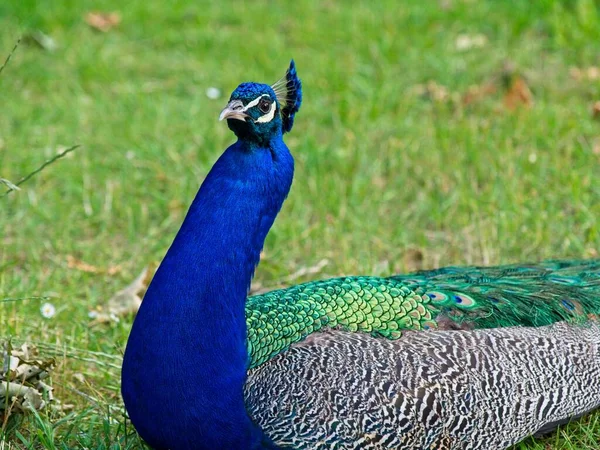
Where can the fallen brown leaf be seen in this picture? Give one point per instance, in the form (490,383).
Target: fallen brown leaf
(479,92)
(413,259)
(576,73)
(77,264)
(21,375)
(591,73)
(102,21)
(79,377)
(258,288)
(507,85)
(176,206)
(311,270)
(596,110)
(123,302)
(432,91)
(518,94)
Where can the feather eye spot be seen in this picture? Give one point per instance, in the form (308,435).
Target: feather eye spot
(436,296)
(429,325)
(463,300)
(568,304)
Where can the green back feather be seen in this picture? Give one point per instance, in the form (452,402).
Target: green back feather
(448,298)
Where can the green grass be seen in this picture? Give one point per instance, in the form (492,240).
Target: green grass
(387,179)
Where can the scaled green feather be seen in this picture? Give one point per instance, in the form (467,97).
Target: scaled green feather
(448,298)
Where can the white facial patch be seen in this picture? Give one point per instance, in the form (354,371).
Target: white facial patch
(253,102)
(268,116)
(265,117)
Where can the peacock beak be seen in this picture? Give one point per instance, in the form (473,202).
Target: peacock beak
(234,110)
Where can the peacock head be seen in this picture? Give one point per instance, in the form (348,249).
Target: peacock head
(257,112)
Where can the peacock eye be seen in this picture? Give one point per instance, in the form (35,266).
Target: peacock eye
(264,106)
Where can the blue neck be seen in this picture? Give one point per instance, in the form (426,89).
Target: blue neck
(185,364)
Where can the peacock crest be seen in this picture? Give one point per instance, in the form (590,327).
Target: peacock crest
(289,95)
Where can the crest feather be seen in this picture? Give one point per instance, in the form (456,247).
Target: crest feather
(288,91)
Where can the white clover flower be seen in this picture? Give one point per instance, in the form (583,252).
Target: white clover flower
(48,310)
(213,93)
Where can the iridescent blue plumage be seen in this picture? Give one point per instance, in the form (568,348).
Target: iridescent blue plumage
(185,363)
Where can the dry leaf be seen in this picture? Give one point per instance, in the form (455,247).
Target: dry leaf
(257,288)
(381,268)
(513,87)
(478,92)
(312,270)
(575,73)
(432,91)
(126,301)
(176,206)
(62,407)
(413,259)
(596,110)
(21,385)
(74,263)
(518,94)
(78,376)
(591,73)
(102,21)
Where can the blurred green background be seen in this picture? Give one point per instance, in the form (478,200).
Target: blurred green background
(432,133)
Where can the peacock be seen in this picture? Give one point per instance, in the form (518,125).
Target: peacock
(454,358)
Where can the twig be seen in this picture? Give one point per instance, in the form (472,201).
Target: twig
(39,169)
(9,184)
(257,288)
(18,299)
(10,55)
(302,271)
(95,401)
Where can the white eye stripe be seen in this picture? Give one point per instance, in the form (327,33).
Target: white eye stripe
(254,102)
(268,116)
